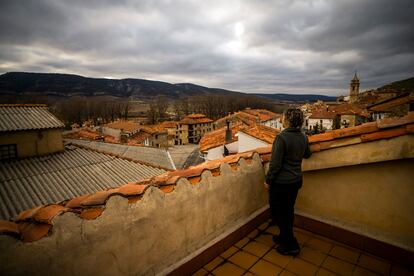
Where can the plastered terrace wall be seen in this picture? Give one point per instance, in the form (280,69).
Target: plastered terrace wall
(146,237)
(365,188)
(374,200)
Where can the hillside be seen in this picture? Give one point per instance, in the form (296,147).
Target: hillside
(401,86)
(66,85)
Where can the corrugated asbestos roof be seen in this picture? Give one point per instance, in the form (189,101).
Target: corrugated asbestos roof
(31,182)
(26,117)
(155,156)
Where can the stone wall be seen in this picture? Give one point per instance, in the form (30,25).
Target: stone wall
(146,237)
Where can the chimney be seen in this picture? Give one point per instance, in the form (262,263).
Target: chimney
(228,133)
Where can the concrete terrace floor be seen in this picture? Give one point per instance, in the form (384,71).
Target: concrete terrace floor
(255,254)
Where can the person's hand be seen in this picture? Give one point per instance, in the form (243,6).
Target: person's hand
(266,186)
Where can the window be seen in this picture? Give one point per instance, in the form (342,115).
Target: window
(8,151)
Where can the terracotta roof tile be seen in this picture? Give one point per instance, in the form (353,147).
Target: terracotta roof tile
(389,133)
(76,202)
(27,214)
(217,137)
(393,122)
(264,150)
(363,133)
(264,133)
(34,231)
(169,124)
(195,119)
(321,137)
(266,157)
(86,134)
(238,118)
(392,103)
(357,130)
(97,198)
(9,227)
(262,114)
(128,126)
(47,213)
(339,143)
(322,114)
(349,109)
(110,139)
(131,189)
(139,138)
(167,189)
(410,128)
(92,213)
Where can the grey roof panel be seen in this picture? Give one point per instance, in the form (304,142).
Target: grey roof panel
(155,156)
(30,182)
(27,117)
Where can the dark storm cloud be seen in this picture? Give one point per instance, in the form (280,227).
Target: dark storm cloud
(253,46)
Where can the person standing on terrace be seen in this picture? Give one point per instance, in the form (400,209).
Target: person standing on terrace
(284,178)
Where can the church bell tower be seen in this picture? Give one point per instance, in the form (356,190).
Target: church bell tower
(354,89)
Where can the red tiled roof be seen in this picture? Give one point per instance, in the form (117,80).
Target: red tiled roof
(168,124)
(110,139)
(264,133)
(36,223)
(238,117)
(195,119)
(382,129)
(322,114)
(349,109)
(139,138)
(196,116)
(391,103)
(86,134)
(128,126)
(217,138)
(262,114)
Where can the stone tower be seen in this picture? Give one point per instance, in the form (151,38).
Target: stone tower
(354,89)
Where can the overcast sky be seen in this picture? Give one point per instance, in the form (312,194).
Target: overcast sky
(251,46)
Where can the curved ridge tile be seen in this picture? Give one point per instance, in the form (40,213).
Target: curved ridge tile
(396,121)
(28,214)
(132,189)
(9,227)
(357,130)
(31,232)
(389,133)
(91,213)
(167,189)
(76,202)
(47,213)
(321,137)
(97,198)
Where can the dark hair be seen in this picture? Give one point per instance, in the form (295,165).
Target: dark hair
(294,117)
